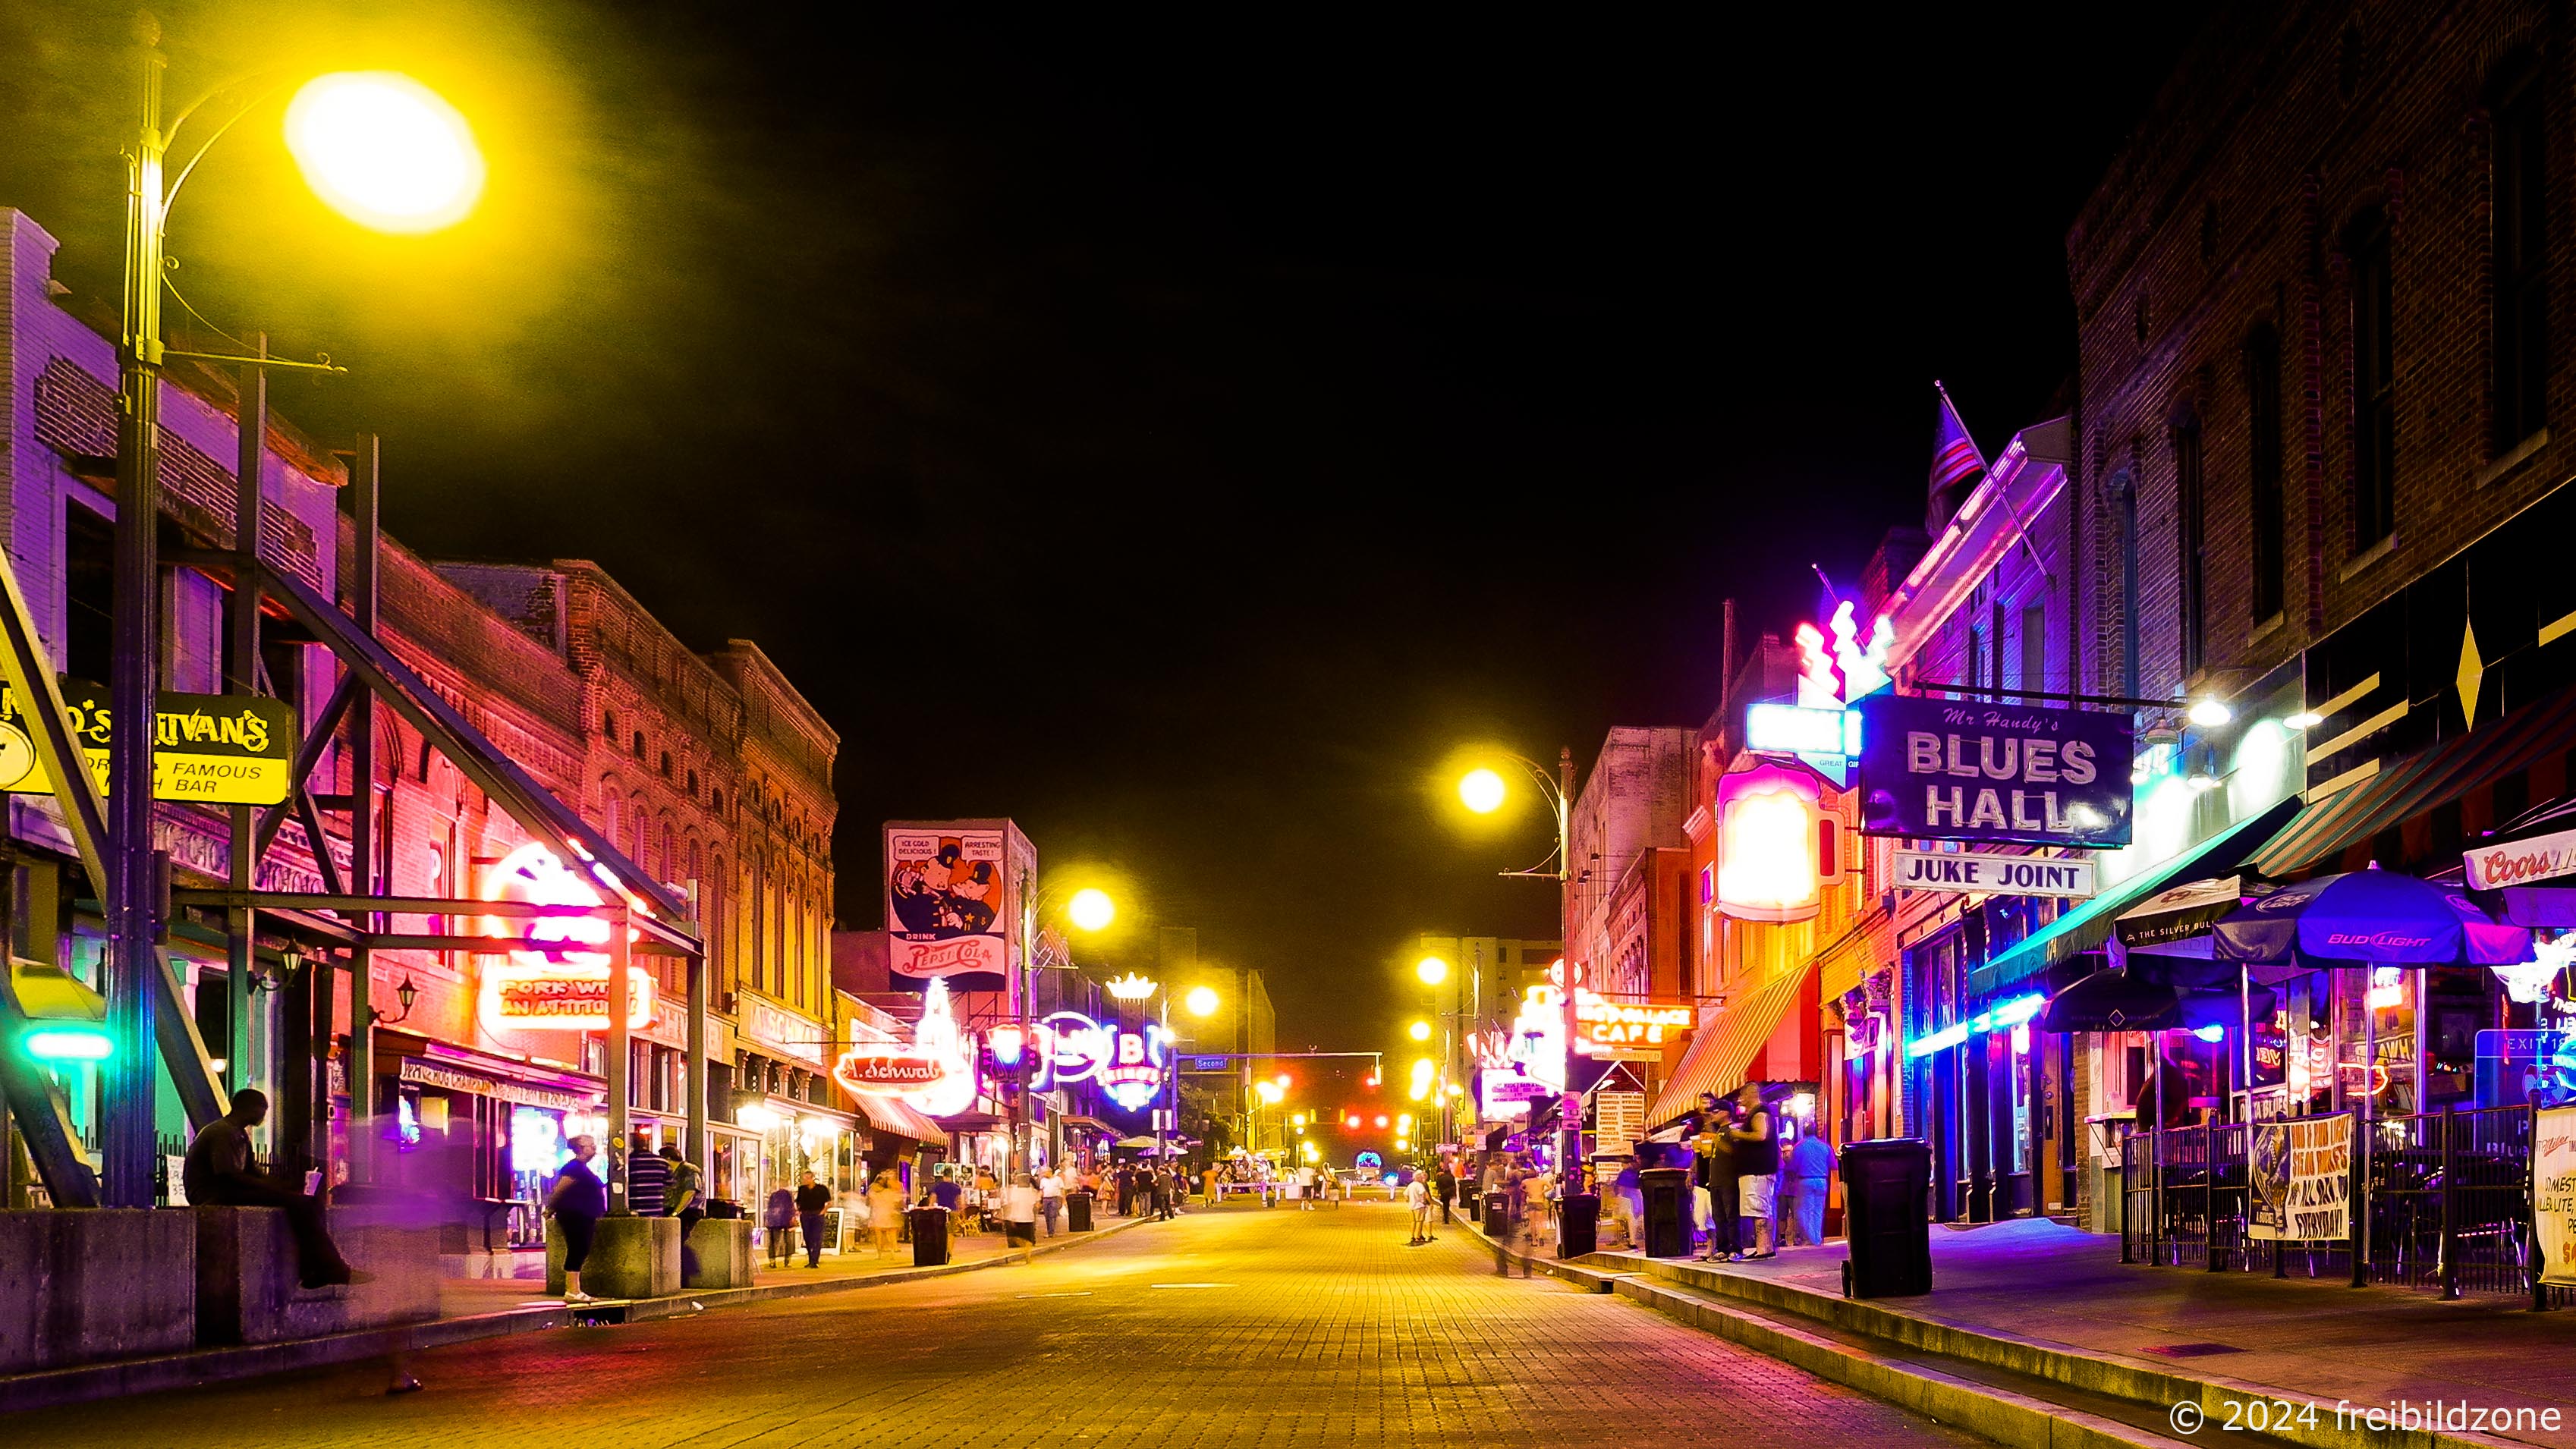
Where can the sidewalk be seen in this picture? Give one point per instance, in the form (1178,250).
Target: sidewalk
(473,1308)
(2038,1298)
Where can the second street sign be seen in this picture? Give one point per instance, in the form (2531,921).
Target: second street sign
(2002,875)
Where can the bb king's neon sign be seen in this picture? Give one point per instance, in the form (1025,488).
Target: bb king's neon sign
(1129,1066)
(545,986)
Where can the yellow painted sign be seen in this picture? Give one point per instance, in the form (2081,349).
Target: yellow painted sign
(214,749)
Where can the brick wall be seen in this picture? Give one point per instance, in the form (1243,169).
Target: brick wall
(2230,209)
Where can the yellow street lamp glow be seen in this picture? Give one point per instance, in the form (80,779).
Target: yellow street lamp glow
(1091,908)
(1432,970)
(1298,1121)
(1481,791)
(1201,1001)
(1269,1091)
(1404,1123)
(384,150)
(1419,1031)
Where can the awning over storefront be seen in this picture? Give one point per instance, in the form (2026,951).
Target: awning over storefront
(893,1115)
(2089,925)
(1721,1053)
(2444,772)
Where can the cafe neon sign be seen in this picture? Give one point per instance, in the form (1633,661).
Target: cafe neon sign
(1607,1028)
(547,984)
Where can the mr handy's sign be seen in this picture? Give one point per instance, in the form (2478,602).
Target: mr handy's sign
(1959,770)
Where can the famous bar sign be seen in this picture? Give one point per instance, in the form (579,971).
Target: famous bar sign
(2002,875)
(1960,770)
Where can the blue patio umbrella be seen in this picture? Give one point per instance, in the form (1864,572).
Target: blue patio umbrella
(2364,918)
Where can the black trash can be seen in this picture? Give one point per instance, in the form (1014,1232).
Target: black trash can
(1666,1191)
(929,1236)
(1077,1211)
(1578,1220)
(1887,1185)
(1497,1218)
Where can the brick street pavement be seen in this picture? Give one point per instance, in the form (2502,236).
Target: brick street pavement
(1235,1328)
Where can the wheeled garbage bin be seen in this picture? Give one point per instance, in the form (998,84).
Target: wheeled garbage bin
(1887,1189)
(1578,1222)
(929,1236)
(1666,1191)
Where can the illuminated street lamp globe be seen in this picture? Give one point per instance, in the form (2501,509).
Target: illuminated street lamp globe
(1432,970)
(1201,1001)
(1091,908)
(1481,791)
(384,150)
(1419,1031)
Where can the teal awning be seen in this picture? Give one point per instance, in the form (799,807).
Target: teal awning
(2089,925)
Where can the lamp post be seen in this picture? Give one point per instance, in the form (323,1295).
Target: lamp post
(1090,910)
(1483,791)
(387,153)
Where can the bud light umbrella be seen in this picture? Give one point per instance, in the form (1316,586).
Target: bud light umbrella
(2364,918)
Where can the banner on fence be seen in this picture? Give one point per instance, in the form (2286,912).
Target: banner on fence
(2553,1193)
(2302,1173)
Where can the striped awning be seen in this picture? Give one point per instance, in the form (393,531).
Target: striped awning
(892,1115)
(2089,925)
(1723,1050)
(2400,791)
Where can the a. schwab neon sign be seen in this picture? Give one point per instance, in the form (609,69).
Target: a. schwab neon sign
(1129,1065)
(932,1073)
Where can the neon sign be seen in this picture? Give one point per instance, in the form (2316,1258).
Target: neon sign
(1770,829)
(546,985)
(1129,1066)
(931,1073)
(1611,1028)
(1848,669)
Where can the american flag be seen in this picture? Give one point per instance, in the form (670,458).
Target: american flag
(1955,458)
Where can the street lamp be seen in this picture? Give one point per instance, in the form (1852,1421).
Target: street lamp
(1091,909)
(1419,1031)
(1202,1001)
(1431,970)
(1483,791)
(385,159)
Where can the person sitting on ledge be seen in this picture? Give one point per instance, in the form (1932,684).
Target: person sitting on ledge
(218,1174)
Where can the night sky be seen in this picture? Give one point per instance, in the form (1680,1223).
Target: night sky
(1179,434)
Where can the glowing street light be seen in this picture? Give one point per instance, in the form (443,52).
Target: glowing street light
(1202,1001)
(1091,908)
(1481,790)
(1419,1031)
(1432,970)
(384,151)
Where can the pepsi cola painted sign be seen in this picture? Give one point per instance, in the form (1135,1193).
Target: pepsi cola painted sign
(2522,861)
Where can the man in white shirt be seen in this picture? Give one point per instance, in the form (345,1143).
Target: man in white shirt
(1306,1189)
(1417,1196)
(1051,1199)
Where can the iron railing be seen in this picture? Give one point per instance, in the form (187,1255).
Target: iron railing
(2443,1202)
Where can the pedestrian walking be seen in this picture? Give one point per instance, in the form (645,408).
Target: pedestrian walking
(1020,1211)
(778,1216)
(811,1198)
(1126,1191)
(1051,1199)
(1757,1166)
(1446,1184)
(1417,1199)
(1810,1162)
(577,1202)
(885,1210)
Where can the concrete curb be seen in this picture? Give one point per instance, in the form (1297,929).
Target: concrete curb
(2008,1418)
(2114,1376)
(85,1382)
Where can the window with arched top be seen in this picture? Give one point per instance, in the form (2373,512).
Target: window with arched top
(639,744)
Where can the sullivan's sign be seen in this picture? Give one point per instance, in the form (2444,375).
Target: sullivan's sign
(1953,770)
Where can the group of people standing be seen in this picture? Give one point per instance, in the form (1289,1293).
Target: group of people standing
(658,1184)
(1743,1190)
